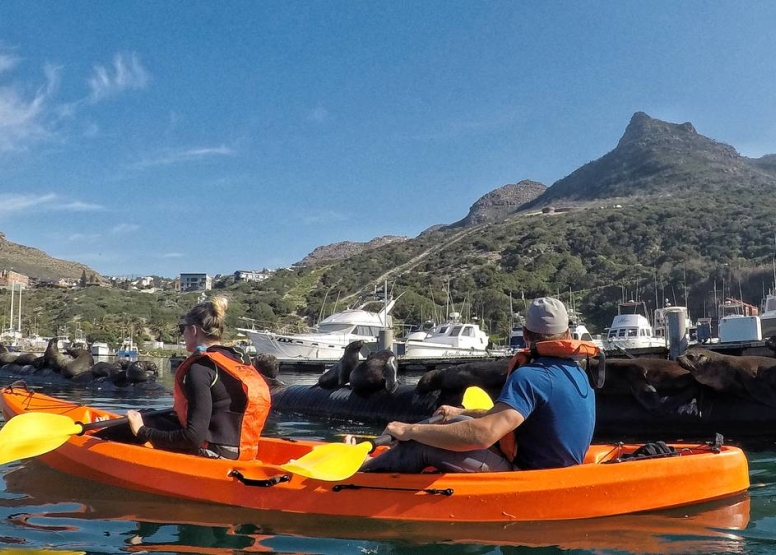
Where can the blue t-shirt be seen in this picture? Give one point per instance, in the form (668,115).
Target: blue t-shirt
(558,404)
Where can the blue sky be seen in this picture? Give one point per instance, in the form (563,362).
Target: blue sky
(165,137)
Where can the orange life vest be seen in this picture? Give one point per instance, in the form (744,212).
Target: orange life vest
(559,348)
(256,393)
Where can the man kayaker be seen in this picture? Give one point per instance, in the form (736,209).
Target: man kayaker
(543,418)
(220,401)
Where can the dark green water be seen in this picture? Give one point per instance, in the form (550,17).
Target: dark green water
(42,509)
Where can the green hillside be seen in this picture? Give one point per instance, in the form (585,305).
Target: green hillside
(667,214)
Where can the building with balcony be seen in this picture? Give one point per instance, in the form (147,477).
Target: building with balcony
(195,282)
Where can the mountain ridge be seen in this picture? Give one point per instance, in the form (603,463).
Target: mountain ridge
(653,158)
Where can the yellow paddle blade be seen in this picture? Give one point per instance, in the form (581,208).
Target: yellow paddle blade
(33,433)
(330,462)
(476,398)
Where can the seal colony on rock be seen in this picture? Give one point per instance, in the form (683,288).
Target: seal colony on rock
(700,393)
(76,366)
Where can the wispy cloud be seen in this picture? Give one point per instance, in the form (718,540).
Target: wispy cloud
(7,61)
(10,203)
(319,115)
(171,255)
(168,157)
(14,204)
(82,237)
(124,228)
(78,206)
(322,217)
(126,73)
(25,115)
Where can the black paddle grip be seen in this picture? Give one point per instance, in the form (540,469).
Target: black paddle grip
(111,422)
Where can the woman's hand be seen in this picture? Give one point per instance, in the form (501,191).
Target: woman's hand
(135,421)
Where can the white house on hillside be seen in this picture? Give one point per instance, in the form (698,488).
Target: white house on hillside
(250,275)
(196,282)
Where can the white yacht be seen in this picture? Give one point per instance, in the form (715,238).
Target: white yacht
(578,329)
(329,338)
(452,339)
(631,330)
(768,316)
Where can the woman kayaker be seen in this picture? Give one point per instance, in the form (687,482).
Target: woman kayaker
(546,408)
(220,401)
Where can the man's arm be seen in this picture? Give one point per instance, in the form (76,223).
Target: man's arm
(466,435)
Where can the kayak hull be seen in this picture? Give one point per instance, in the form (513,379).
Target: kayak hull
(594,489)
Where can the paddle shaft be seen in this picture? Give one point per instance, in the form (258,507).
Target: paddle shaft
(474,398)
(385,439)
(111,422)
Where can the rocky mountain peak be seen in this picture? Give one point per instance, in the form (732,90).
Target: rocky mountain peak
(654,157)
(643,130)
(500,203)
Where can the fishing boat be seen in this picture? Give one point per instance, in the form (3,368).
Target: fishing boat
(608,483)
(329,338)
(128,349)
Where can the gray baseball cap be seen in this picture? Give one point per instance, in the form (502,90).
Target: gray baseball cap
(547,316)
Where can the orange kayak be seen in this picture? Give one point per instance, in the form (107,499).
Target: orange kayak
(604,485)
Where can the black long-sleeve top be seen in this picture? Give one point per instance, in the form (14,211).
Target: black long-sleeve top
(216,403)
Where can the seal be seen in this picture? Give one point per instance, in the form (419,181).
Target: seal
(379,371)
(655,383)
(7,357)
(107,369)
(141,371)
(64,365)
(751,377)
(339,373)
(26,358)
(453,380)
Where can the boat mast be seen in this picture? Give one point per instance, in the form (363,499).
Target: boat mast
(10,321)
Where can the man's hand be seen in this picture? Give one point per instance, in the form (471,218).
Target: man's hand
(399,430)
(448,412)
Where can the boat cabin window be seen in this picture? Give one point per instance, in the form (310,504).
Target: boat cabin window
(468,331)
(335,328)
(633,332)
(581,336)
(443,329)
(370,331)
(456,331)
